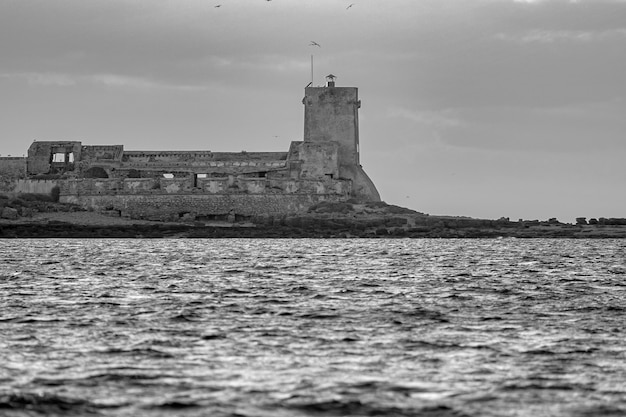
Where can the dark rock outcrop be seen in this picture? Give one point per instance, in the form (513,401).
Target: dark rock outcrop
(9,213)
(351,219)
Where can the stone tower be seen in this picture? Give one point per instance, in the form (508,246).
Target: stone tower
(331,115)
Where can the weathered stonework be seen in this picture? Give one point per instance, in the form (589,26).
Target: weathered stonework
(12,169)
(192,185)
(199,207)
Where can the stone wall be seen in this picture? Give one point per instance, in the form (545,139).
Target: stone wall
(139,185)
(199,207)
(318,159)
(90,186)
(204,186)
(202,167)
(102,152)
(202,157)
(175,185)
(11,169)
(41,156)
(35,186)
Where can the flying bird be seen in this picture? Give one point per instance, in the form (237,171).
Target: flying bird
(313,43)
(218,5)
(350,5)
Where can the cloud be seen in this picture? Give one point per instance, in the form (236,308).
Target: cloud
(552,36)
(106,80)
(114,80)
(436,119)
(269,63)
(33,78)
(581,128)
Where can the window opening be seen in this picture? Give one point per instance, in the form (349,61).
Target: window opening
(195,178)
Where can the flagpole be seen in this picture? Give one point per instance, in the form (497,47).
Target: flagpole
(311,69)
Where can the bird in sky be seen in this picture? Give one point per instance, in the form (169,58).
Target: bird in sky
(313,43)
(350,5)
(218,5)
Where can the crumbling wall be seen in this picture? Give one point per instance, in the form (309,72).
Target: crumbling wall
(253,185)
(90,186)
(102,153)
(11,170)
(41,157)
(139,185)
(204,167)
(199,157)
(193,206)
(175,185)
(25,186)
(205,186)
(213,185)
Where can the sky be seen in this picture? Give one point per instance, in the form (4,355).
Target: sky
(479,108)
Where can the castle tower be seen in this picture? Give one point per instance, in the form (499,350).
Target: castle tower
(331,115)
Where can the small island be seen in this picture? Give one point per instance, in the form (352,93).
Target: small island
(317,188)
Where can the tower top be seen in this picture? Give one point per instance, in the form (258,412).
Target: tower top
(330,80)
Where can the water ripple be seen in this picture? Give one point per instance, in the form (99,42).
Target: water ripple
(312,327)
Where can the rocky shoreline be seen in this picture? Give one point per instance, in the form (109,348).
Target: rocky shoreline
(326,220)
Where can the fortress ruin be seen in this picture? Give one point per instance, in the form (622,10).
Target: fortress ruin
(205,185)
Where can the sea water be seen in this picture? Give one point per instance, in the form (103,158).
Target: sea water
(313,327)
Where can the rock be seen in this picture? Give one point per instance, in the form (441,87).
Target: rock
(9,213)
(111,213)
(27,212)
(188,217)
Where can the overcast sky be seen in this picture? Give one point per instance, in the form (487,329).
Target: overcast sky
(482,108)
